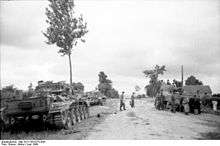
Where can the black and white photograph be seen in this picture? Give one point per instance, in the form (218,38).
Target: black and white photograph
(109,70)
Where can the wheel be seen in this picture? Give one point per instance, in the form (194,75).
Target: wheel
(78,114)
(86,112)
(12,121)
(63,119)
(68,123)
(73,115)
(81,112)
(44,118)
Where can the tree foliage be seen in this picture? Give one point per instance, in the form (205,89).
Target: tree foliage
(65,28)
(105,86)
(137,88)
(154,85)
(11,92)
(193,81)
(78,87)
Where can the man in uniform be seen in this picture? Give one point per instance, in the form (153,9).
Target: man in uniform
(186,105)
(161,101)
(132,100)
(198,102)
(122,104)
(173,102)
(157,101)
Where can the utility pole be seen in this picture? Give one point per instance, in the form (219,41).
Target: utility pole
(182,75)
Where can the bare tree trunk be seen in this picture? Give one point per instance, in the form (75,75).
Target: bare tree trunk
(70,64)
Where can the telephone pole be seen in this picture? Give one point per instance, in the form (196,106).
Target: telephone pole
(182,75)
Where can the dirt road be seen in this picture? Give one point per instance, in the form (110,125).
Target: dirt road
(145,122)
(142,122)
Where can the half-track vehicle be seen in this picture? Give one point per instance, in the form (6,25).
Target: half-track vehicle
(180,93)
(168,90)
(51,103)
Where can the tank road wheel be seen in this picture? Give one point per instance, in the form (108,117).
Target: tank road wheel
(64,119)
(86,112)
(81,112)
(12,121)
(73,115)
(44,118)
(78,114)
(68,123)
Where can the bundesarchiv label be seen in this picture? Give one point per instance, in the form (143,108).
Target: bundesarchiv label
(22,142)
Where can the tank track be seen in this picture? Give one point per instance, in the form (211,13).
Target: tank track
(67,119)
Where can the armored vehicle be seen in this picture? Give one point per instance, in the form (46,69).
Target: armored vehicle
(184,92)
(53,103)
(168,90)
(95,98)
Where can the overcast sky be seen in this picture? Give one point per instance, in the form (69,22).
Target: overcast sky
(125,37)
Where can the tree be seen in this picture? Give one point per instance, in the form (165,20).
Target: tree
(78,87)
(154,85)
(104,83)
(105,86)
(65,30)
(193,81)
(103,78)
(137,88)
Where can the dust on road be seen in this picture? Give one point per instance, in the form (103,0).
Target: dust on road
(145,122)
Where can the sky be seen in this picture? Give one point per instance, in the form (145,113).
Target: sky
(125,38)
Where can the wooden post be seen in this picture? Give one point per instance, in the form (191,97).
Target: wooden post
(182,75)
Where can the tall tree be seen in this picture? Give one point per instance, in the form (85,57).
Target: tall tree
(105,86)
(154,84)
(137,88)
(65,28)
(193,81)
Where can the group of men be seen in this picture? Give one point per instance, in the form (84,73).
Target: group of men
(186,105)
(122,101)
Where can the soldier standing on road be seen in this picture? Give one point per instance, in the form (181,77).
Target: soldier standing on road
(132,100)
(214,105)
(122,104)
(198,102)
(161,101)
(173,101)
(157,101)
(186,105)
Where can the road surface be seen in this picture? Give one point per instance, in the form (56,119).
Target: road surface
(145,122)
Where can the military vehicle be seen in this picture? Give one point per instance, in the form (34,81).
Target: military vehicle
(168,90)
(184,92)
(95,98)
(52,103)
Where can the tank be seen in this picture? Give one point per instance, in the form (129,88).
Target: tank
(95,98)
(51,103)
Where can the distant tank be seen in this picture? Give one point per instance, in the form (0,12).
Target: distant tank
(53,103)
(95,98)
